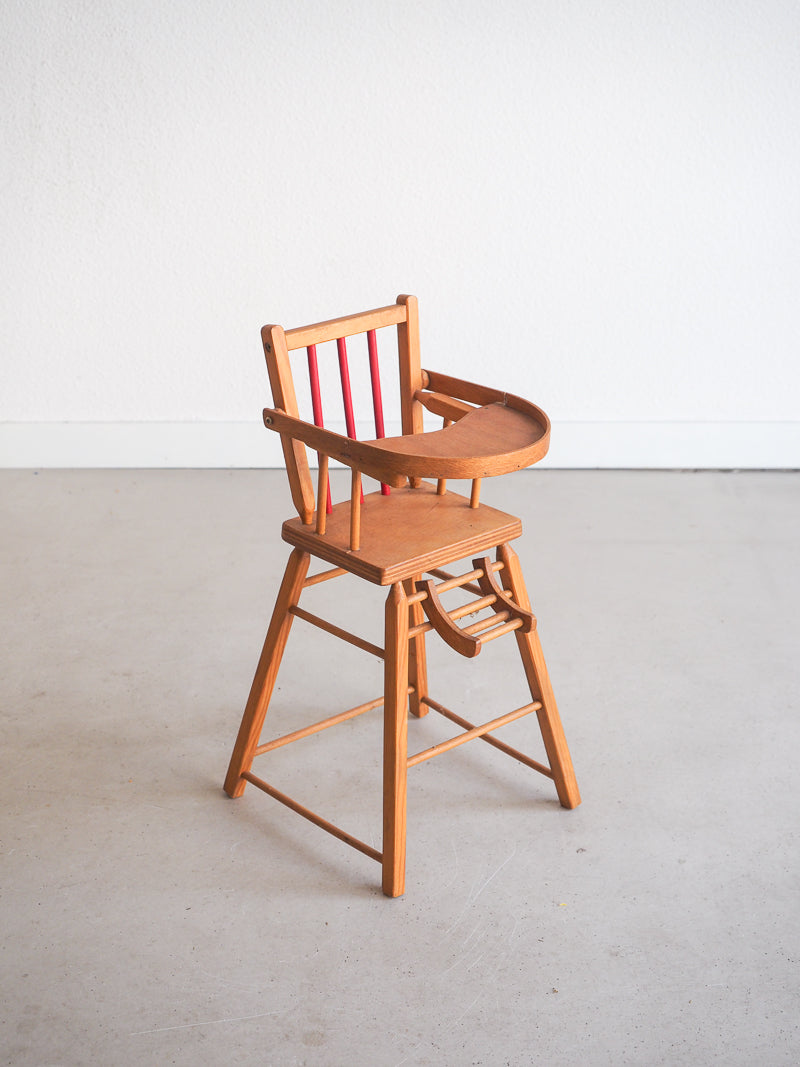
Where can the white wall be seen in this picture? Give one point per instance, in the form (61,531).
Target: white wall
(597,204)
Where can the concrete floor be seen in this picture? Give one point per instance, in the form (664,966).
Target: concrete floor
(148,919)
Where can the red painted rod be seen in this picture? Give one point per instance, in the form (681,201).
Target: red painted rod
(377,401)
(316,403)
(347,395)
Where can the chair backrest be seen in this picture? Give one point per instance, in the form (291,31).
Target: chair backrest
(278,343)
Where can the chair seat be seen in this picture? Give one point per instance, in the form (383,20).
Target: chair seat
(405,533)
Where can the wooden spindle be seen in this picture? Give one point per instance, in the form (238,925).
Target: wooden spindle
(441,484)
(476,493)
(355,511)
(377,400)
(347,395)
(322,512)
(316,408)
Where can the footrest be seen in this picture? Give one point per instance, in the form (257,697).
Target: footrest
(489,585)
(465,644)
(469,640)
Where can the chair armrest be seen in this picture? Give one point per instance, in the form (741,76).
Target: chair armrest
(359,455)
(480,394)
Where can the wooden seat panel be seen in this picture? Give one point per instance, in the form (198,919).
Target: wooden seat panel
(406,533)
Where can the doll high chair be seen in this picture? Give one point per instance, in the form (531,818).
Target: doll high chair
(401,536)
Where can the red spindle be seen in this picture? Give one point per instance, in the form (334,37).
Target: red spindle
(313,375)
(316,403)
(347,396)
(377,401)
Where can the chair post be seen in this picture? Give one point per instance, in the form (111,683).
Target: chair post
(417,660)
(266,672)
(395,741)
(283,394)
(533,661)
(410,371)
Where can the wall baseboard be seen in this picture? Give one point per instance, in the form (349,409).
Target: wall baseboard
(710,445)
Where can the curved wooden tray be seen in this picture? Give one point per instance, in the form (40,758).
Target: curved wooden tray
(494,439)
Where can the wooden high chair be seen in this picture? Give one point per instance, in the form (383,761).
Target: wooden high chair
(401,536)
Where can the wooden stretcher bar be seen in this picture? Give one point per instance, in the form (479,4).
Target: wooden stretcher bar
(509,751)
(317,727)
(336,631)
(312,816)
(472,732)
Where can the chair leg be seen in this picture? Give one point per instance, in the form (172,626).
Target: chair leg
(395,742)
(417,662)
(530,649)
(266,672)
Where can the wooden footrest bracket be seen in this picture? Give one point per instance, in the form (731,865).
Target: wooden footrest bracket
(468,640)
(489,585)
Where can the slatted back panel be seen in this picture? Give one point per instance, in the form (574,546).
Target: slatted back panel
(278,344)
